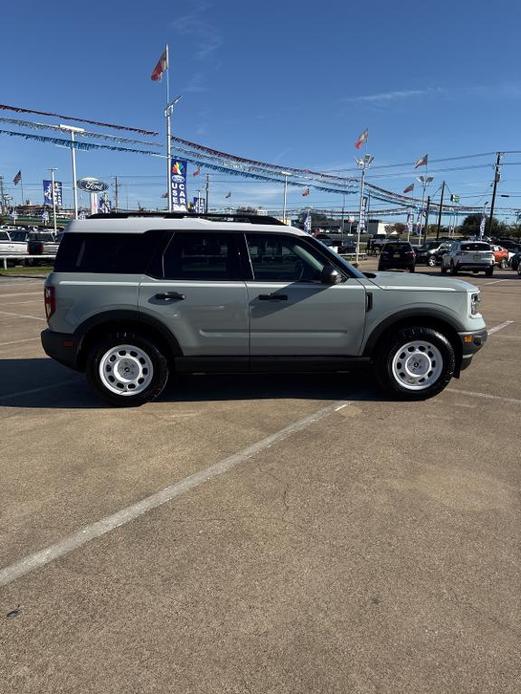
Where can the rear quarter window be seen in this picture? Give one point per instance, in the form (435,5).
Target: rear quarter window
(105,253)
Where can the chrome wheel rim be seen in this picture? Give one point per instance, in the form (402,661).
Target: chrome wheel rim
(126,370)
(417,365)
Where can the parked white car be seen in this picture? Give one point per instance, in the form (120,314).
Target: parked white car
(476,256)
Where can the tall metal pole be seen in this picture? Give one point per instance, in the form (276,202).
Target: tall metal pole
(53,192)
(285,197)
(2,201)
(497,176)
(207,192)
(74,186)
(343,212)
(420,235)
(359,229)
(440,212)
(168,116)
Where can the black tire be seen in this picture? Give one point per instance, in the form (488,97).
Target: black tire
(489,271)
(392,344)
(431,261)
(157,358)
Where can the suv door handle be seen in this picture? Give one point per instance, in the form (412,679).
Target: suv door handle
(273,297)
(170,296)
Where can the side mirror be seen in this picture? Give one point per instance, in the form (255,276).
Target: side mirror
(329,275)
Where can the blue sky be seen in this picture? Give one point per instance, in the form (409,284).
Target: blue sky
(288,82)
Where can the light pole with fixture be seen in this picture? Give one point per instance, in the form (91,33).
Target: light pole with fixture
(73,130)
(363,163)
(425,181)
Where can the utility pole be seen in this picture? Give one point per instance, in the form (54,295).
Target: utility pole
(116,193)
(342,225)
(427,218)
(207,192)
(440,211)
(497,176)
(2,195)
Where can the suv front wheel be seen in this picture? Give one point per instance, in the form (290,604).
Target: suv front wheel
(126,369)
(417,363)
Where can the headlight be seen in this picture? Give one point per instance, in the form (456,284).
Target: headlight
(475,302)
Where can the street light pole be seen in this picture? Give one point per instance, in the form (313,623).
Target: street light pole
(286,174)
(71,129)
(53,199)
(363,164)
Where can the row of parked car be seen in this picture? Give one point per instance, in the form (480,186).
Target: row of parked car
(20,241)
(452,256)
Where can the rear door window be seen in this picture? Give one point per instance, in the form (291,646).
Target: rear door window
(205,256)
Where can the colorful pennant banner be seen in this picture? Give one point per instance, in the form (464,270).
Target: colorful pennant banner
(19,109)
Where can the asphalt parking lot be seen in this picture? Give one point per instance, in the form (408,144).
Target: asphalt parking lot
(312,536)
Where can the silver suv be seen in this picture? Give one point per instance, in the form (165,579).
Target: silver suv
(468,255)
(135,297)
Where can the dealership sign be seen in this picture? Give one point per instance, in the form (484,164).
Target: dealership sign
(92,185)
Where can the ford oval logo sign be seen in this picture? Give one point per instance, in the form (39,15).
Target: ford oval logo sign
(92,185)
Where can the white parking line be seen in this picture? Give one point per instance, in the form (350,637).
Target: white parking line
(20,315)
(499,327)
(487,284)
(130,513)
(16,342)
(487,396)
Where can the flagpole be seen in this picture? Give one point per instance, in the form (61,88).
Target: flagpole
(22,188)
(168,116)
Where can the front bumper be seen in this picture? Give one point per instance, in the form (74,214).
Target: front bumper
(62,347)
(471,342)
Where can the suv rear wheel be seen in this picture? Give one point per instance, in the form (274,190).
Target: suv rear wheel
(126,369)
(416,363)
(431,260)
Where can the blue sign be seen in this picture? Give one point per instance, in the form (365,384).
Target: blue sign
(198,205)
(178,182)
(47,193)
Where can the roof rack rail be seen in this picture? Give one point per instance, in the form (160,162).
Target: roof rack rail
(217,216)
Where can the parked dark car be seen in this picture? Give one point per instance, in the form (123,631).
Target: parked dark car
(397,254)
(429,253)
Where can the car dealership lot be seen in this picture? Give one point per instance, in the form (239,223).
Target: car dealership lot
(345,542)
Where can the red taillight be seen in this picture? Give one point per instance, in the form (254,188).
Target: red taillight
(49,297)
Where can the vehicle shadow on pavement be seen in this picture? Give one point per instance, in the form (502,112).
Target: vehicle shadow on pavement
(44,384)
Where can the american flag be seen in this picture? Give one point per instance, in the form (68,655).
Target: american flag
(197,171)
(422,161)
(305,193)
(17,178)
(228,195)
